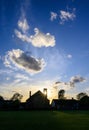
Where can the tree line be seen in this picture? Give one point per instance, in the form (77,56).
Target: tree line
(14,103)
(81,97)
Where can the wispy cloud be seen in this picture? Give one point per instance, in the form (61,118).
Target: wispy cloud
(5,71)
(0,57)
(68,85)
(22,22)
(56,61)
(53,16)
(21,76)
(39,39)
(21,60)
(62,85)
(67,16)
(64,16)
(21,36)
(23,25)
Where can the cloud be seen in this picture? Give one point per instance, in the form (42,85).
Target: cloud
(66,16)
(71,83)
(23,25)
(76,79)
(53,16)
(22,60)
(58,82)
(21,36)
(39,39)
(69,56)
(61,85)
(5,71)
(19,79)
(21,76)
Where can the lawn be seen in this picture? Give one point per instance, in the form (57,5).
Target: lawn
(44,120)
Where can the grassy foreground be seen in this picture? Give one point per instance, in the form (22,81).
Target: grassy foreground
(44,120)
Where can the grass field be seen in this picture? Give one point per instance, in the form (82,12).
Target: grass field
(44,120)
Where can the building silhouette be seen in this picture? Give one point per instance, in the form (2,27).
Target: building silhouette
(38,100)
(65,104)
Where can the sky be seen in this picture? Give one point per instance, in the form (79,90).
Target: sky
(44,44)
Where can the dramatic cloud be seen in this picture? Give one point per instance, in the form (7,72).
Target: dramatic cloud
(53,16)
(24,61)
(66,16)
(23,25)
(39,39)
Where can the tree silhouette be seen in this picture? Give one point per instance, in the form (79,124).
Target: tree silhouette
(81,95)
(16,96)
(15,101)
(84,103)
(61,94)
(1,98)
(1,102)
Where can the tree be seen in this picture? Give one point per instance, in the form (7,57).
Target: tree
(15,101)
(16,96)
(1,102)
(81,95)
(84,102)
(1,98)
(61,94)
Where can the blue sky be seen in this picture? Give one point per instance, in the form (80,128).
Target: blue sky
(44,44)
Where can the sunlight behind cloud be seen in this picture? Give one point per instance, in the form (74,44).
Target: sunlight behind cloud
(21,60)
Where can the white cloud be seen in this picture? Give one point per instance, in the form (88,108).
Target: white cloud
(53,16)
(23,25)
(21,76)
(21,36)
(17,58)
(69,56)
(66,16)
(39,39)
(5,71)
(7,78)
